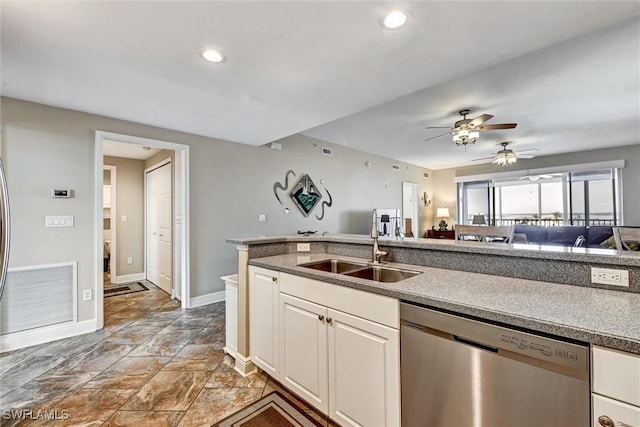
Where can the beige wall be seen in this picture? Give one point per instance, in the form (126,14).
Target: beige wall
(45,147)
(444,195)
(129,203)
(445,188)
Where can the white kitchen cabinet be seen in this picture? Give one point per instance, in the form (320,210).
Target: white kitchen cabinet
(263,319)
(303,350)
(364,369)
(346,366)
(616,388)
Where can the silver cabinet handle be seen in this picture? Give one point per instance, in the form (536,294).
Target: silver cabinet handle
(605,421)
(5,229)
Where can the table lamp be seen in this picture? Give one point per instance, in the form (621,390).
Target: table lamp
(478,220)
(442,213)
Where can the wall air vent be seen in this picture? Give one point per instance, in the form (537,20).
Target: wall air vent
(426,175)
(38,296)
(396,167)
(327,151)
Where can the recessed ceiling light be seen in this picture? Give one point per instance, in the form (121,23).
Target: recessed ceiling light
(212,55)
(394,19)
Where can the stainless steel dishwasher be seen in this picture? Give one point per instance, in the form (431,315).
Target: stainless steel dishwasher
(460,372)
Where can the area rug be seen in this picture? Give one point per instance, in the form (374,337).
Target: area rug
(123,288)
(273,410)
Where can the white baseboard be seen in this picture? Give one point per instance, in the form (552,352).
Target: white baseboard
(45,334)
(130,278)
(207,299)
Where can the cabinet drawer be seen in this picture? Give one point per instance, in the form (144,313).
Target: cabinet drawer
(616,374)
(621,414)
(374,307)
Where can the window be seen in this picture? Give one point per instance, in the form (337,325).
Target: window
(592,198)
(475,200)
(572,198)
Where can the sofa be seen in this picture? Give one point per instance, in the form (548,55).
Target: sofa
(565,235)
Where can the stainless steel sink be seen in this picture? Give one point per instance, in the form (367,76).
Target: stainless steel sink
(333,265)
(361,270)
(382,274)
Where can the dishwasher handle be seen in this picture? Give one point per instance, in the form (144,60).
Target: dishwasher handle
(475,344)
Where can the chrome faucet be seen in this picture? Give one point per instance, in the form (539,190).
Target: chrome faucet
(377,253)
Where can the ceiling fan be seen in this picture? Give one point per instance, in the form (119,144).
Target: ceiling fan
(537,177)
(507,156)
(466,131)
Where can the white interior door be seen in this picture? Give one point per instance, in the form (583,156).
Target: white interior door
(159,229)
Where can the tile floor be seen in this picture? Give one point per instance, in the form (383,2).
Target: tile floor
(153,364)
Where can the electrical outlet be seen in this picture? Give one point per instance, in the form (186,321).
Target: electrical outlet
(304,247)
(130,260)
(608,276)
(86,295)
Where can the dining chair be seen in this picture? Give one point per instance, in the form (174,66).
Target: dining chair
(492,233)
(627,238)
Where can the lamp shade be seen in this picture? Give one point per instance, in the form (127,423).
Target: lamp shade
(478,220)
(442,213)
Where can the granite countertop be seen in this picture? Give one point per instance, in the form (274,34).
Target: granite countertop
(597,316)
(562,253)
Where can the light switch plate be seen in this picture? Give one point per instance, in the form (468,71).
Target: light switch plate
(58,221)
(86,295)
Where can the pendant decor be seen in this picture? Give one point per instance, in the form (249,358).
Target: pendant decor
(305,194)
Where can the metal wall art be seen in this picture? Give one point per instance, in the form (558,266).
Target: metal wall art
(305,194)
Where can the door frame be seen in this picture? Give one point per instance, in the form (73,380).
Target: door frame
(157,165)
(181,260)
(112,223)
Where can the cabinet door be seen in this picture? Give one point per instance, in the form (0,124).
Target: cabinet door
(303,351)
(621,414)
(263,319)
(364,371)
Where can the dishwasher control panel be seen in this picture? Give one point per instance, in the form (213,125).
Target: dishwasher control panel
(497,339)
(548,349)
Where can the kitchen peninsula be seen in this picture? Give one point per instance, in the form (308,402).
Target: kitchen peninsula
(464,277)
(541,290)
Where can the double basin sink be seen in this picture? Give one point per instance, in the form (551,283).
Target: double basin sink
(376,273)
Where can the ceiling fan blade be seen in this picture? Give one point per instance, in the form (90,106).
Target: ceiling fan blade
(500,126)
(483,158)
(528,149)
(525,156)
(434,137)
(438,127)
(480,120)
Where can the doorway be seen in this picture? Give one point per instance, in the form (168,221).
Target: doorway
(179,260)
(158,225)
(108,230)
(410,208)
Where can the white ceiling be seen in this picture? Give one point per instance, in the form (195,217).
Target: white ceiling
(127,150)
(329,70)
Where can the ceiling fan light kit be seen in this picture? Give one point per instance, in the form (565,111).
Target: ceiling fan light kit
(467,131)
(507,157)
